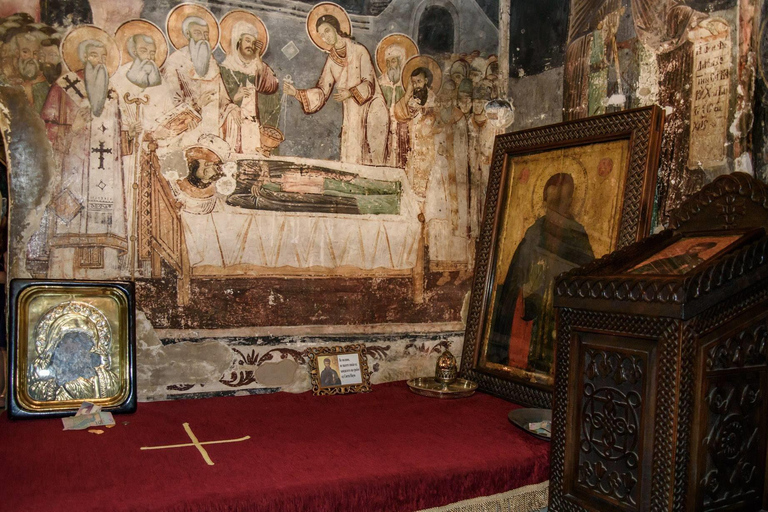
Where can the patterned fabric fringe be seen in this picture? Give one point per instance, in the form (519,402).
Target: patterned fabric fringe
(523,499)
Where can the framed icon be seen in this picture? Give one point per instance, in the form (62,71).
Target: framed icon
(558,197)
(339,370)
(71,342)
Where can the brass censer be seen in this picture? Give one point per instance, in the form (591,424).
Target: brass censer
(445,383)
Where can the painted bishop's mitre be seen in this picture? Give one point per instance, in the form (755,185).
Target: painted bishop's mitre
(446,369)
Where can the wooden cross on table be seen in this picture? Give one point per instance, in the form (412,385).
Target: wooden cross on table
(197,444)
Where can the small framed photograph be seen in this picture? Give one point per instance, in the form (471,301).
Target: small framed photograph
(686,252)
(339,370)
(70,342)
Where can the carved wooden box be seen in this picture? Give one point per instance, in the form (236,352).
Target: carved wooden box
(661,371)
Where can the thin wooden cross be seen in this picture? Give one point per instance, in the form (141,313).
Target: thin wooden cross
(197,444)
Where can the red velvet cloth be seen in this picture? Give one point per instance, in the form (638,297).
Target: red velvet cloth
(385,450)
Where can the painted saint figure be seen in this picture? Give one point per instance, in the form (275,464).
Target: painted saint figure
(197,191)
(245,75)
(49,59)
(138,81)
(391,55)
(289,187)
(481,136)
(447,204)
(74,360)
(464,97)
(193,75)
(25,48)
(144,99)
(662,26)
(329,376)
(417,108)
(391,79)
(522,328)
(350,71)
(88,238)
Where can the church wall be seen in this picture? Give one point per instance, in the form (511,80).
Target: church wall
(609,64)
(543,93)
(231,295)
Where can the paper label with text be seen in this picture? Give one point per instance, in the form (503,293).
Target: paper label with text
(349,369)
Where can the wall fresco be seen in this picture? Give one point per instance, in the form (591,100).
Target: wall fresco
(619,54)
(251,166)
(323,167)
(168,162)
(685,57)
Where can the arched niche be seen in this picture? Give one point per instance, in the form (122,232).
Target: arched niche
(435,27)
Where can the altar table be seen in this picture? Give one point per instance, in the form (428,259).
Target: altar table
(388,450)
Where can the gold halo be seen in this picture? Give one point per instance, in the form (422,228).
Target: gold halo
(71,42)
(320,10)
(231,18)
(132,27)
(425,61)
(181,12)
(403,40)
(580,186)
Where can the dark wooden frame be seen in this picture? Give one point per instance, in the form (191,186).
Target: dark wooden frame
(79,290)
(315,353)
(642,128)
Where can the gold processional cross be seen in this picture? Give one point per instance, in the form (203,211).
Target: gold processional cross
(197,444)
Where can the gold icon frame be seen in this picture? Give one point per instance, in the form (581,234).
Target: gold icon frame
(49,321)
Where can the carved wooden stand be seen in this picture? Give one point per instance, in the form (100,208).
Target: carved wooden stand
(660,389)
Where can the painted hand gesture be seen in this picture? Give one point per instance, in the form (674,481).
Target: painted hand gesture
(342,94)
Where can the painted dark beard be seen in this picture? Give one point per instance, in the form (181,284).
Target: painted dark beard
(394,75)
(144,73)
(51,71)
(200,52)
(28,69)
(248,53)
(201,183)
(97,86)
(421,94)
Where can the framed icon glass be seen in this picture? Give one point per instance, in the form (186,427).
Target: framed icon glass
(70,342)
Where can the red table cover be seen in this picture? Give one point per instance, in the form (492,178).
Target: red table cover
(385,450)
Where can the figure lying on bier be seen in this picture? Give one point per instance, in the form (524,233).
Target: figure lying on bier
(291,187)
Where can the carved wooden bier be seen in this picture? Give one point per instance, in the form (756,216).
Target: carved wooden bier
(661,371)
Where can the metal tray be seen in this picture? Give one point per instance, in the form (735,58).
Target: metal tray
(523,416)
(428,386)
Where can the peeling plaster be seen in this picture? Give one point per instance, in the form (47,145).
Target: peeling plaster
(268,364)
(29,149)
(193,363)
